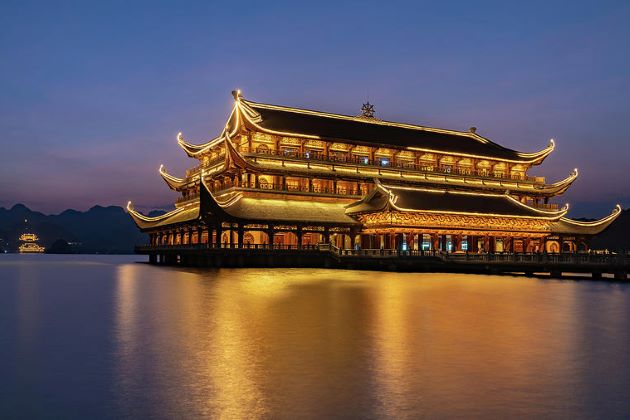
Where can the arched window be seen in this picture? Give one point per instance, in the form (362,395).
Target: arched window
(553,247)
(248,239)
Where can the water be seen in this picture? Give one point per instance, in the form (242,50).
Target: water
(99,336)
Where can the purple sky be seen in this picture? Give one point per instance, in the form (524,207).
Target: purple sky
(93,93)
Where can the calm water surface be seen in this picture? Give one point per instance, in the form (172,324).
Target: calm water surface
(91,336)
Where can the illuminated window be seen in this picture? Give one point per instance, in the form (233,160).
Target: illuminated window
(289,152)
(426,242)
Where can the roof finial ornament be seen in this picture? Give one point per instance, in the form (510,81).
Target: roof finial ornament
(237,94)
(367,110)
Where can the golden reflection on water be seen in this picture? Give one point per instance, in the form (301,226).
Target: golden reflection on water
(324,343)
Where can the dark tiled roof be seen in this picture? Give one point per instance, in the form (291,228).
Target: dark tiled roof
(356,130)
(447,202)
(458,202)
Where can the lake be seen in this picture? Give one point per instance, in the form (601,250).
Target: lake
(106,336)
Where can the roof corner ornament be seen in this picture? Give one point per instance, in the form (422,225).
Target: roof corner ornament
(237,94)
(473,130)
(367,110)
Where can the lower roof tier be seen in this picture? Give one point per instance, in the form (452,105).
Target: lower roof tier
(498,209)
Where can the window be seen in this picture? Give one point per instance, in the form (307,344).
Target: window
(426,242)
(289,151)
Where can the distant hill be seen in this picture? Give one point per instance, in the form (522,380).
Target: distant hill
(617,236)
(107,230)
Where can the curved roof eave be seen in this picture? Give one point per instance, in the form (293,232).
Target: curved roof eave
(174,183)
(231,127)
(179,215)
(566,225)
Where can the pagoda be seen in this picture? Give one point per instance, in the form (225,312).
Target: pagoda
(278,176)
(29,244)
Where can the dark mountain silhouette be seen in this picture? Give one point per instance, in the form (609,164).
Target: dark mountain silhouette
(99,230)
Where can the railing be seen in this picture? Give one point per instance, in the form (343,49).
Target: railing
(207,164)
(375,163)
(245,246)
(543,206)
(302,188)
(187,198)
(387,163)
(577,258)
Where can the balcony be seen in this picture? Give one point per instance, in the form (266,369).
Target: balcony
(387,163)
(544,206)
(211,162)
(340,191)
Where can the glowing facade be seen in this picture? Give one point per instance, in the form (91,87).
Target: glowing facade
(29,244)
(287,176)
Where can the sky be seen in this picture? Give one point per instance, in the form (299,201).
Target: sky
(93,94)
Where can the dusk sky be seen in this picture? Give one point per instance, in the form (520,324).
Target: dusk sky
(94,93)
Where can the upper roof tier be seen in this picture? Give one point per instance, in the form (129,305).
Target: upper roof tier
(287,121)
(301,122)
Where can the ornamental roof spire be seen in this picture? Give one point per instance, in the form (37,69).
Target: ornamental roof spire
(367,110)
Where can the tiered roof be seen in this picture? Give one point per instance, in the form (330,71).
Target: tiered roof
(288,121)
(307,123)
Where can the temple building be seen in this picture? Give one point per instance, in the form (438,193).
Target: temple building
(295,177)
(29,244)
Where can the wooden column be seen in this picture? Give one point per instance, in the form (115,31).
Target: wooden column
(241,234)
(270,235)
(218,236)
(299,235)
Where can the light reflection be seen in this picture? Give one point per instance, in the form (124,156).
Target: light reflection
(325,343)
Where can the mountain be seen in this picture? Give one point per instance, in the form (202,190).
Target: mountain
(107,230)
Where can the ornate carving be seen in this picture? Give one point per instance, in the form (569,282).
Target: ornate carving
(367,110)
(428,221)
